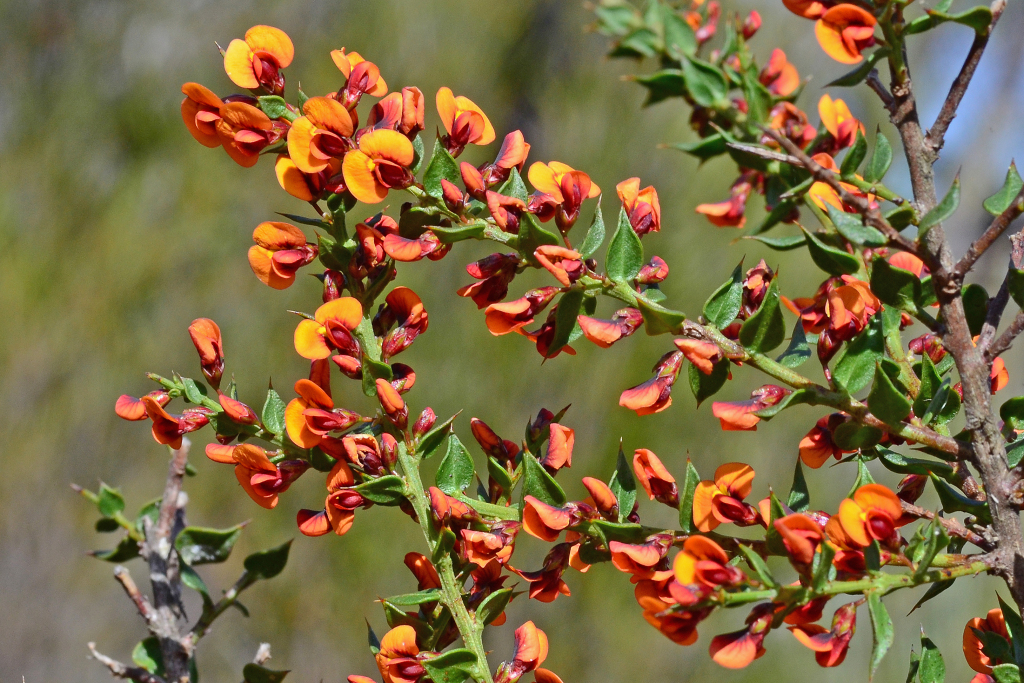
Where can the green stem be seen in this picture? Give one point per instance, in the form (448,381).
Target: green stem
(451,589)
(211,613)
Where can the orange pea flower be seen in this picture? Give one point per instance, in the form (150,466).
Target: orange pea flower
(361,77)
(559,447)
(392,403)
(237,411)
(542,675)
(565,264)
(730,213)
(506,211)
(998,375)
(380,163)
(817,445)
(546,584)
(245,131)
(200,110)
(311,398)
(322,133)
(545,521)
(512,154)
(738,649)
(262,480)
(601,496)
(703,354)
(552,177)
(838,121)
(168,429)
(739,415)
(280,250)
(338,513)
(640,560)
(131,408)
(721,501)
(424,571)
(908,261)
(258,60)
(872,514)
(655,479)
(404,306)
(502,318)
(397,659)
(604,333)
(531,649)
(703,562)
(829,646)
(466,123)
(330,328)
(496,545)
(974,652)
(308,186)
(844,31)
(779,76)
(801,534)
(205,335)
(791,122)
(642,206)
(809,9)
(654,395)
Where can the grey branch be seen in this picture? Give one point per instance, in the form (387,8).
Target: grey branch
(140,600)
(119,670)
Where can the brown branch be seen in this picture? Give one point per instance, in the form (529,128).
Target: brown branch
(936,136)
(994,314)
(872,214)
(119,670)
(952,525)
(1005,340)
(140,600)
(875,83)
(995,229)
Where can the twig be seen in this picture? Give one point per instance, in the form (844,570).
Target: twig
(875,83)
(140,600)
(870,211)
(996,228)
(952,525)
(994,315)
(119,670)
(1005,340)
(936,136)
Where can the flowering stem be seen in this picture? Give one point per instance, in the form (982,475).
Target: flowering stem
(451,589)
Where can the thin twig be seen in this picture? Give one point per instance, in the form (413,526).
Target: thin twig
(994,315)
(869,210)
(995,229)
(875,83)
(140,600)
(952,525)
(1005,340)
(119,670)
(936,136)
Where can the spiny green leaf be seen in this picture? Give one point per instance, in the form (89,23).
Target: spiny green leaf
(724,304)
(885,401)
(943,210)
(595,234)
(799,498)
(201,545)
(456,470)
(273,413)
(705,386)
(686,491)
(830,259)
(852,227)
(539,484)
(625,254)
(780,243)
(705,82)
(854,157)
(623,485)
(1003,199)
(766,328)
(881,159)
(266,564)
(881,630)
(441,166)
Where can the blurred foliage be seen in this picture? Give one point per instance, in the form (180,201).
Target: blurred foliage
(117,229)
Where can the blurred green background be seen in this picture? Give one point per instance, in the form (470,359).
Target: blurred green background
(117,229)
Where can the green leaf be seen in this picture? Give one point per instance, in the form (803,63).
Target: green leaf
(567,310)
(902,464)
(273,413)
(499,474)
(109,501)
(453,666)
(933,591)
(657,318)
(952,500)
(1015,627)
(195,391)
(1015,453)
(881,158)
(386,490)
(532,235)
(794,398)
(933,541)
(852,227)
(430,441)
(851,436)
(623,485)
(492,606)
(942,210)
(661,85)
(705,148)
(766,328)
(895,286)
(1006,673)
(772,537)
(780,243)
(686,490)
(799,350)
(1012,413)
(147,655)
(932,668)
(417,154)
(456,470)
(902,216)
(273,106)
(191,579)
(1016,285)
(724,304)
(881,630)
(105,525)
(539,484)
(254,673)
(266,564)
(595,234)
(856,76)
(418,598)
(705,82)
(680,40)
(441,165)
(758,565)
(625,255)
(831,260)
(979,18)
(856,366)
(1003,200)
(975,300)
(458,233)
(759,100)
(126,550)
(200,545)
(705,386)
(854,158)
(799,498)
(821,567)
(885,401)
(641,42)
